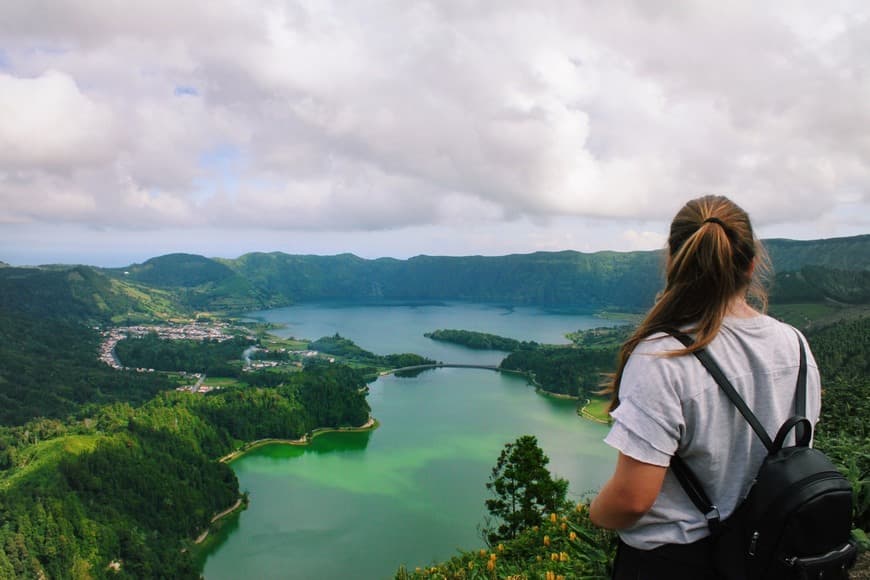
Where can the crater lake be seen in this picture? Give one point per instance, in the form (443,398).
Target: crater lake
(411,492)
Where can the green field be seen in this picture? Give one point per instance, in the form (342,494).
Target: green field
(817,315)
(596,409)
(224,382)
(629,317)
(39,462)
(273,342)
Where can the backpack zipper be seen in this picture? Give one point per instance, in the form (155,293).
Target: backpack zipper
(753,543)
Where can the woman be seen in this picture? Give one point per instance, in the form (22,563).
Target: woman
(665,402)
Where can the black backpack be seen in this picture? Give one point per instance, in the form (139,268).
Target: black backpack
(795,521)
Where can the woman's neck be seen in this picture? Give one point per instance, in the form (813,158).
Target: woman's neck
(740,309)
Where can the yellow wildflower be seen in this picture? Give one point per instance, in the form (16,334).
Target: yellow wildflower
(572,536)
(482,552)
(554,556)
(564,526)
(546,540)
(534,528)
(560,577)
(550,575)
(501,547)
(490,565)
(471,565)
(580,507)
(563,556)
(553,517)
(492,556)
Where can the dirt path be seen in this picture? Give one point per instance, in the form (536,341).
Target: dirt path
(216,517)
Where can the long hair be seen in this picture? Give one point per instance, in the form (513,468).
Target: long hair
(713,257)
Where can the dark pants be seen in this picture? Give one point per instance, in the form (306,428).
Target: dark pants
(669,562)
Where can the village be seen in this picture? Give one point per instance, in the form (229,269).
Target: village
(217,331)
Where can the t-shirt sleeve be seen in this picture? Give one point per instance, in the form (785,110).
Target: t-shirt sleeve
(649,421)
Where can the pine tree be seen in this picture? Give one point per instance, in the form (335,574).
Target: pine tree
(524,489)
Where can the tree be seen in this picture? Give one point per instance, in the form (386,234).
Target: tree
(524,489)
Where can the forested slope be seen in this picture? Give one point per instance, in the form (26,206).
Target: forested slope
(179,284)
(842,352)
(835,269)
(848,253)
(134,485)
(49,368)
(83,294)
(108,473)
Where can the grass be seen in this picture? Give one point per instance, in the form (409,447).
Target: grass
(817,314)
(631,317)
(157,304)
(802,314)
(596,409)
(38,463)
(273,342)
(224,382)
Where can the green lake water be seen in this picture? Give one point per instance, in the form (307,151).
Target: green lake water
(358,505)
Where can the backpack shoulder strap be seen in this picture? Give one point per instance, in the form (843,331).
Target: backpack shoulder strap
(726,386)
(693,488)
(801,395)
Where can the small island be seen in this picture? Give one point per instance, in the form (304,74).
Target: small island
(480,340)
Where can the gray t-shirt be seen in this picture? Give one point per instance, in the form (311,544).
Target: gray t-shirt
(673,404)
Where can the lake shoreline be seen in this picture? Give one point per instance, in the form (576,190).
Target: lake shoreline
(552,395)
(583,411)
(306,439)
(217,517)
(587,414)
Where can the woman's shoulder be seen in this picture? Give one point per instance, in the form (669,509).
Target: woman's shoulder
(762,326)
(658,343)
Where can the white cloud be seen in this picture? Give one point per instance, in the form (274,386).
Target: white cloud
(47,123)
(644,240)
(384,115)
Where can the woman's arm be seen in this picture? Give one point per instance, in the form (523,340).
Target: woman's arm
(628,495)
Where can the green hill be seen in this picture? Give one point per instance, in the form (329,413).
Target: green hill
(825,269)
(834,271)
(199,283)
(817,283)
(178,271)
(82,293)
(849,253)
(628,280)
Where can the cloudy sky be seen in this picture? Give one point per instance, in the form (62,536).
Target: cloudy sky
(130,129)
